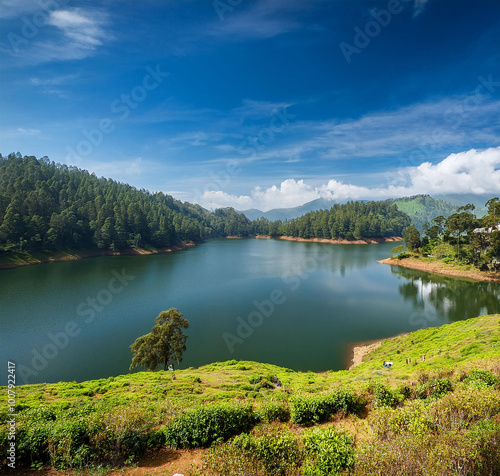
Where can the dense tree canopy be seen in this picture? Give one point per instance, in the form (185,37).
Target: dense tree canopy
(353,220)
(44,205)
(467,238)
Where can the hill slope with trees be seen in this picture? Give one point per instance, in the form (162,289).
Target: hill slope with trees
(44,205)
(49,206)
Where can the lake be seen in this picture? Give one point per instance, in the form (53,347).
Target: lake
(298,305)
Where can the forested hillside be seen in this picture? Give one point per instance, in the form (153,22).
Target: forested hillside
(49,206)
(353,220)
(44,205)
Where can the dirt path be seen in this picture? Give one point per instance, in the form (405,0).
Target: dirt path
(164,462)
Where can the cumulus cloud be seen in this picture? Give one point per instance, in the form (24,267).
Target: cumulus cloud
(473,171)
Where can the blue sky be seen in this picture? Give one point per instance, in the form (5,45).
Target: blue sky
(258,104)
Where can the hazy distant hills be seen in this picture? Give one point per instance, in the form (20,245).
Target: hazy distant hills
(289,213)
(420,208)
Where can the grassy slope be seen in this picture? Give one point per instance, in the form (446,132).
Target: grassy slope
(150,400)
(464,345)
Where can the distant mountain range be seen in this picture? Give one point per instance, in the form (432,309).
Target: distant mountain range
(420,208)
(289,213)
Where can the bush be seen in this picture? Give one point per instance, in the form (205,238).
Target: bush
(475,452)
(434,388)
(308,410)
(84,435)
(412,418)
(328,451)
(482,378)
(384,397)
(272,411)
(465,406)
(229,460)
(278,450)
(204,425)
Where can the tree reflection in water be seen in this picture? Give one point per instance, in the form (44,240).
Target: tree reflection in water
(453,298)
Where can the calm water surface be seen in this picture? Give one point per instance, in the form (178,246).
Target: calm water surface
(75,320)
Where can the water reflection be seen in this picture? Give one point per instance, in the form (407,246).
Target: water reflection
(454,298)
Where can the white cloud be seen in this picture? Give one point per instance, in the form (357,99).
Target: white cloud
(80,27)
(28,132)
(54,80)
(473,171)
(69,34)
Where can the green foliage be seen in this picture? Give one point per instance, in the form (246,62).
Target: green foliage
(480,378)
(211,423)
(274,411)
(44,205)
(423,208)
(470,349)
(412,418)
(465,406)
(83,435)
(328,451)
(434,388)
(384,397)
(412,238)
(277,450)
(308,410)
(165,341)
(353,220)
(228,459)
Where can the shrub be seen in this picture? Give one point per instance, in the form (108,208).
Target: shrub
(84,434)
(278,450)
(204,425)
(384,397)
(272,411)
(229,460)
(475,452)
(434,388)
(254,379)
(307,410)
(328,451)
(465,406)
(482,378)
(412,418)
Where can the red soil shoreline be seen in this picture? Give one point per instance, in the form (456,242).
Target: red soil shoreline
(364,241)
(441,268)
(70,256)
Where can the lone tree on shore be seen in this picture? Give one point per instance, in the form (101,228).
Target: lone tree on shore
(165,342)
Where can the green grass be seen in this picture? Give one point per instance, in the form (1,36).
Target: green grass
(135,408)
(462,344)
